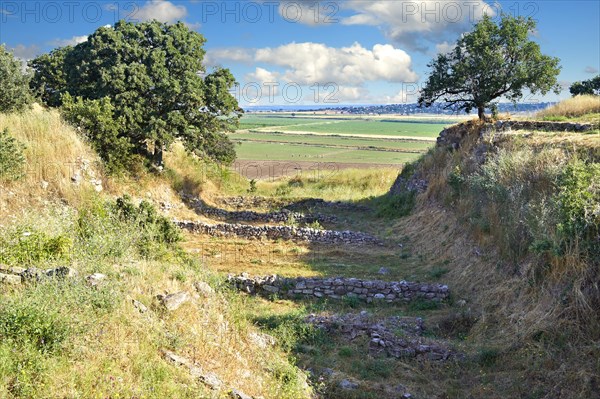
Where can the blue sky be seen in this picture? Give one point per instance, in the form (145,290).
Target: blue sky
(308,51)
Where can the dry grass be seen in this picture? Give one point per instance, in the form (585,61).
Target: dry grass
(54,153)
(573,107)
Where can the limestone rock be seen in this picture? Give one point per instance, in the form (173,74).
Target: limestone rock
(139,306)
(173,301)
(204,289)
(348,385)
(95,279)
(62,272)
(10,278)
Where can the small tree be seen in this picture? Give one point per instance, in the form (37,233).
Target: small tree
(491,61)
(12,160)
(591,86)
(152,75)
(14,83)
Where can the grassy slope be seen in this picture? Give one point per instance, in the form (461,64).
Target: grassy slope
(94,343)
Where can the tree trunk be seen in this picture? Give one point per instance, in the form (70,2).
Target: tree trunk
(481,112)
(158,153)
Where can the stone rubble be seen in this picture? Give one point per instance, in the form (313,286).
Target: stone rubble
(395,336)
(172,302)
(282,216)
(211,380)
(280,232)
(339,287)
(301,204)
(18,275)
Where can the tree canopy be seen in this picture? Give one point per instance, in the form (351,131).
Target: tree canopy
(493,60)
(149,77)
(590,86)
(14,81)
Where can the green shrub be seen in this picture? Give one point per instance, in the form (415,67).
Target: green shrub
(578,203)
(31,321)
(12,160)
(15,94)
(396,205)
(27,246)
(103,129)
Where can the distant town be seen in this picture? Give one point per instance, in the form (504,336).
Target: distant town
(396,109)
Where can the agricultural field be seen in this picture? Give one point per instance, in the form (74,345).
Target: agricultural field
(347,140)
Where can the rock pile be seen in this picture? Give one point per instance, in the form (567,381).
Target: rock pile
(280,232)
(395,336)
(282,216)
(454,135)
(18,275)
(299,205)
(339,287)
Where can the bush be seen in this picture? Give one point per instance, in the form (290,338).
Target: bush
(396,205)
(32,321)
(12,160)
(155,230)
(15,94)
(578,202)
(103,130)
(28,247)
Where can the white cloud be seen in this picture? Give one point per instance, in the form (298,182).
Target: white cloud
(215,57)
(309,63)
(161,10)
(590,70)
(444,47)
(25,52)
(413,24)
(69,42)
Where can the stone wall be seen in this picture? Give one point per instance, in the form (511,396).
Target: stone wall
(454,135)
(339,287)
(297,205)
(280,232)
(282,216)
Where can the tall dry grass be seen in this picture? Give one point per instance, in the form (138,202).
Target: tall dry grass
(572,107)
(54,153)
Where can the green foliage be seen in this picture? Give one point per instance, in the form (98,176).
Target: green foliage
(155,230)
(15,94)
(396,205)
(590,86)
(291,331)
(12,160)
(149,76)
(578,203)
(488,357)
(30,320)
(29,246)
(491,61)
(103,129)
(252,188)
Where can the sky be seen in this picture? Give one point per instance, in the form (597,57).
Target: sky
(309,52)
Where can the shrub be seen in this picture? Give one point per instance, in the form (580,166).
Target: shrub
(15,94)
(103,129)
(396,205)
(28,246)
(12,160)
(31,321)
(155,230)
(578,202)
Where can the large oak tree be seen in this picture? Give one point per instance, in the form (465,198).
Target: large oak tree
(493,60)
(149,77)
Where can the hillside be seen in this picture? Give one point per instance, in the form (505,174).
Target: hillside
(475,277)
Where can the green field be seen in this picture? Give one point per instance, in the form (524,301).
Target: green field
(298,152)
(333,141)
(337,138)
